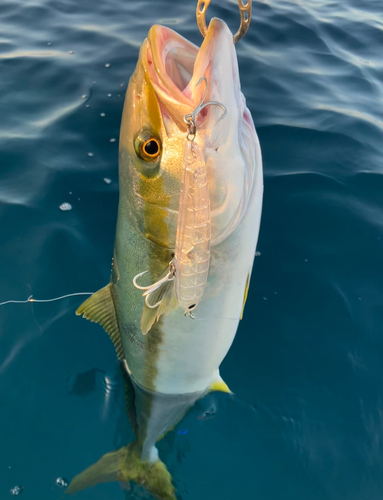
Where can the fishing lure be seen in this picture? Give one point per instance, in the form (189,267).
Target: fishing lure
(186,275)
(192,250)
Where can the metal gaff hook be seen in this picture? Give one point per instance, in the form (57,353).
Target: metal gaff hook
(190,118)
(244,10)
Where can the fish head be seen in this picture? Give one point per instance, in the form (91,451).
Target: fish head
(165,87)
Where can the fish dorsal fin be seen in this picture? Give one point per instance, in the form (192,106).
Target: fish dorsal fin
(100,309)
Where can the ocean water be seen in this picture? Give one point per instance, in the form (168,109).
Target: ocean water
(306,418)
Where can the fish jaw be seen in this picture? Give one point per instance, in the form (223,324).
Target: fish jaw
(175,66)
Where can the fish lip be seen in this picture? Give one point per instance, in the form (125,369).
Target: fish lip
(161,55)
(163,45)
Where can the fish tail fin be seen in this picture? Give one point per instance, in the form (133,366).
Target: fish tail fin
(125,465)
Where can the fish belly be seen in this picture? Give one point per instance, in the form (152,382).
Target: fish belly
(182,355)
(193,349)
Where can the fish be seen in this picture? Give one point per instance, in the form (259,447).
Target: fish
(172,359)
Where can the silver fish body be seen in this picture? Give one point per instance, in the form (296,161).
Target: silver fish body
(178,359)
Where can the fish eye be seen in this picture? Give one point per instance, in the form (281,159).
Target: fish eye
(147,146)
(151,148)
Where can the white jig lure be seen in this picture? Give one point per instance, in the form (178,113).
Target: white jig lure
(192,251)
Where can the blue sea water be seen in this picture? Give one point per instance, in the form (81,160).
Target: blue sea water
(306,420)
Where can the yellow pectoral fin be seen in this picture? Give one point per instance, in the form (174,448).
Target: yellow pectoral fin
(220,385)
(245,294)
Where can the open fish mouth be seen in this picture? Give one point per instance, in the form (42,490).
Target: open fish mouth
(175,65)
(172,58)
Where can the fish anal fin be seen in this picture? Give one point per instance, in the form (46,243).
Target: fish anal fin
(100,309)
(219,385)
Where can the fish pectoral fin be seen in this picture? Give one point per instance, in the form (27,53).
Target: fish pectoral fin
(219,385)
(245,293)
(100,309)
(165,295)
(125,465)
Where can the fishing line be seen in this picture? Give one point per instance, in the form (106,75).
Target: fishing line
(31,299)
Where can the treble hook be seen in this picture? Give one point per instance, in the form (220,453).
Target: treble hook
(190,118)
(155,286)
(244,10)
